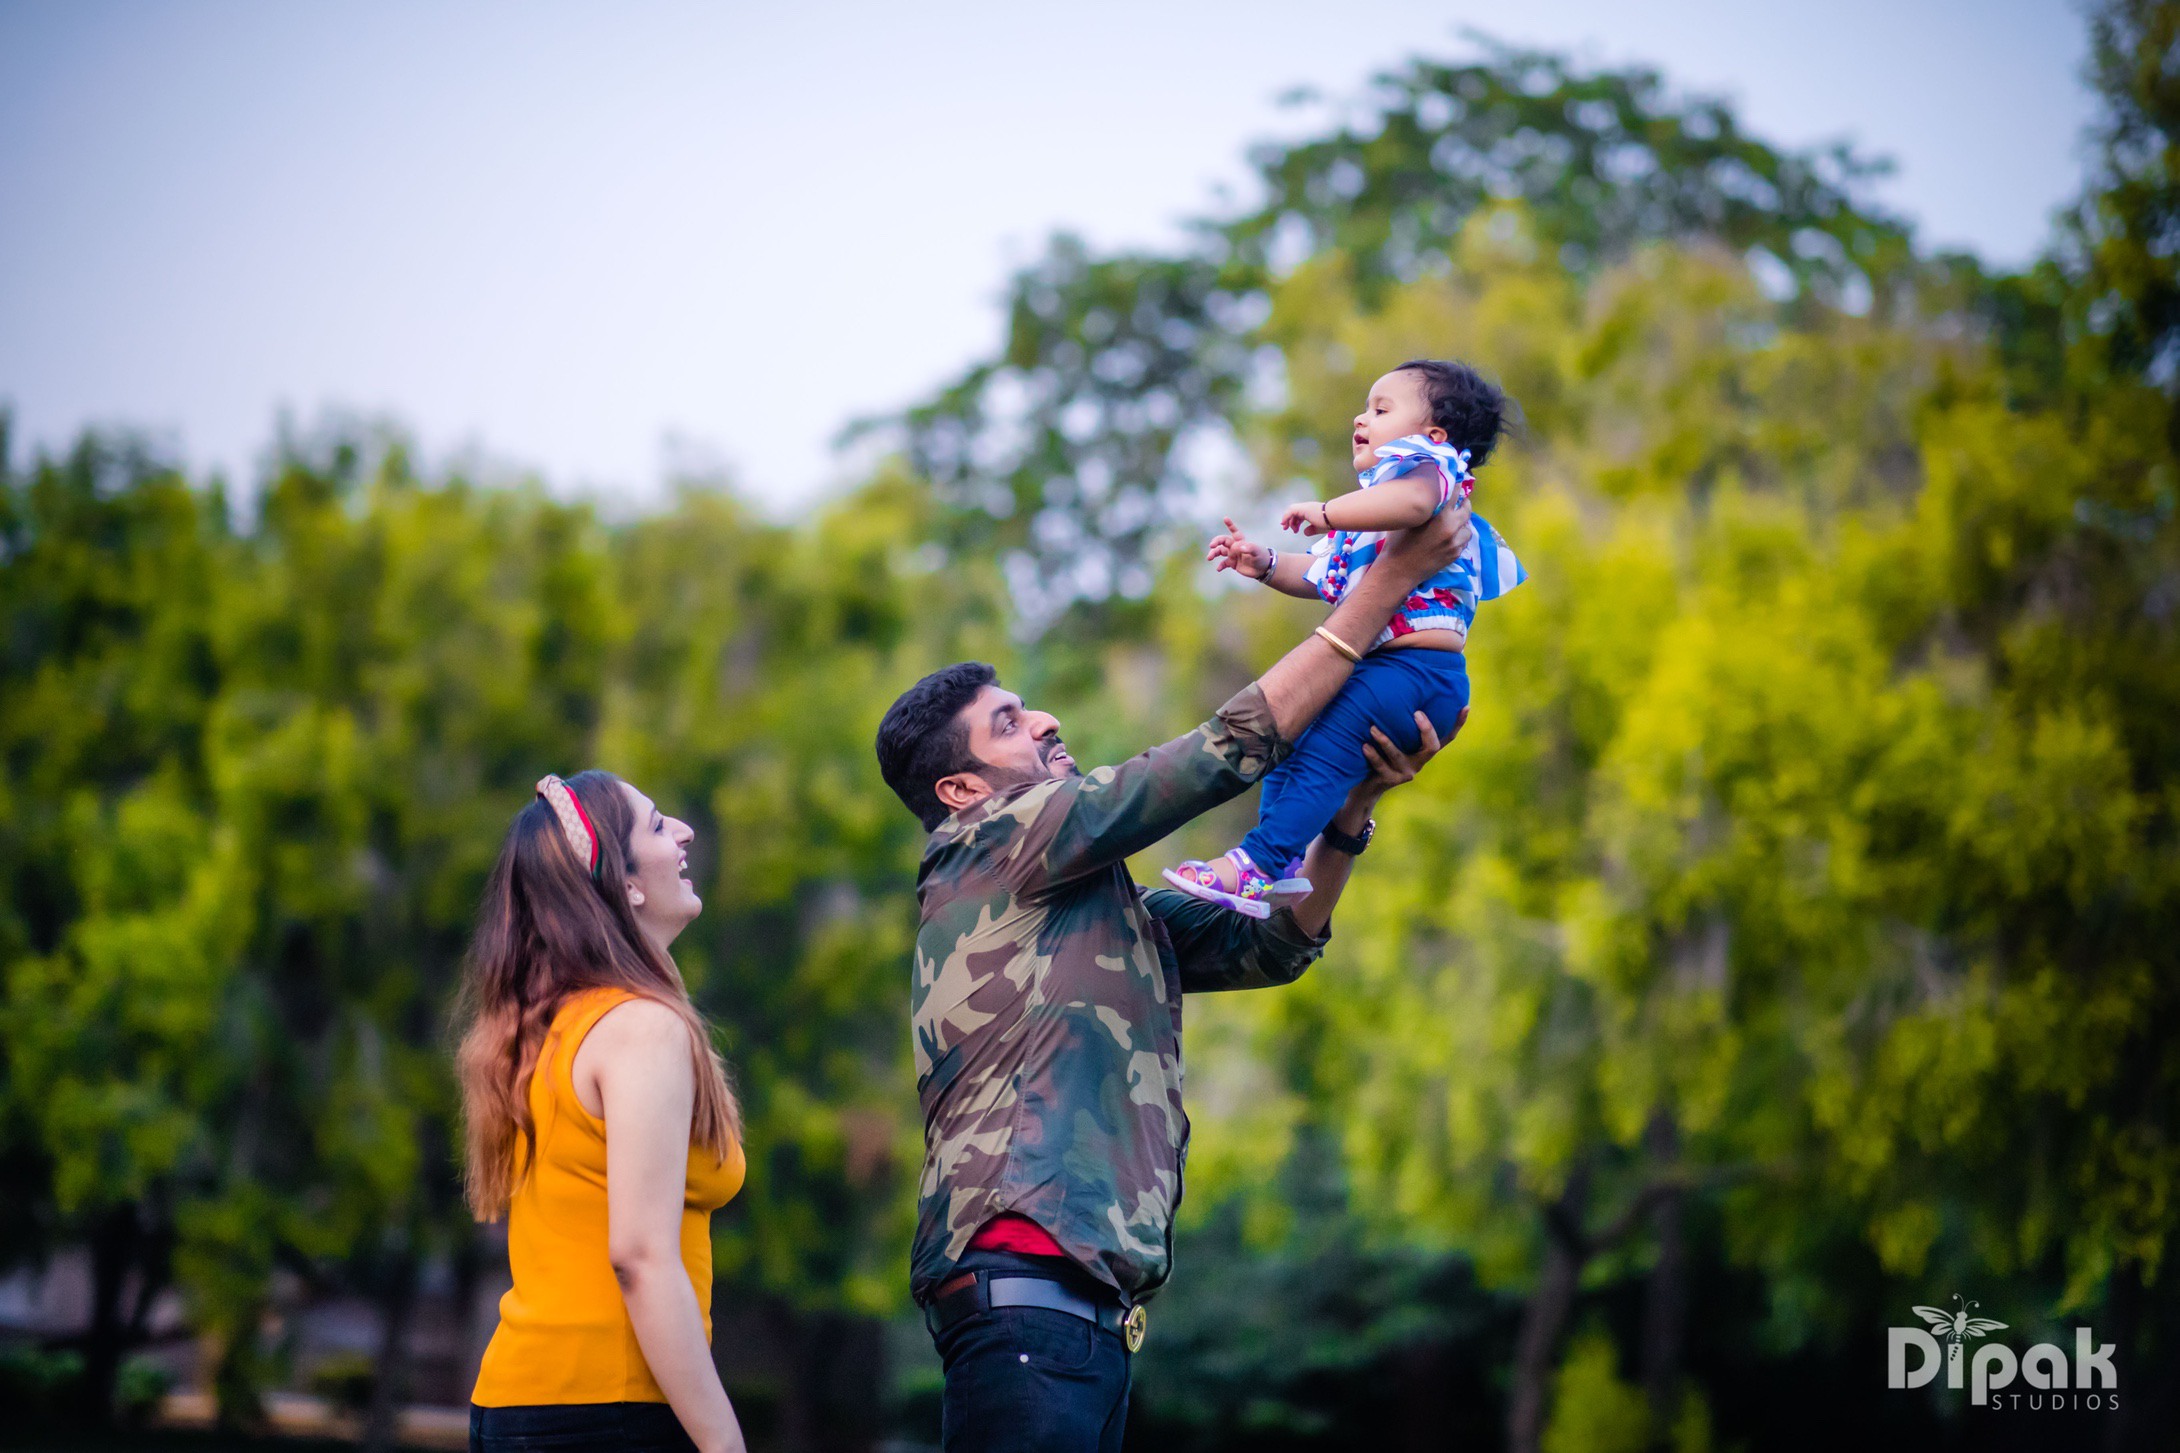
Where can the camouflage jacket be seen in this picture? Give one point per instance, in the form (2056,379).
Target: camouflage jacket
(1047,1003)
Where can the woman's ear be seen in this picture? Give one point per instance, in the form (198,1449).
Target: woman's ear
(635,894)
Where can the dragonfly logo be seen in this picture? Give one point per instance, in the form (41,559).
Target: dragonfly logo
(1993,1366)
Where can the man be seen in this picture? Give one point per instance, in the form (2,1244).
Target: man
(1047,1009)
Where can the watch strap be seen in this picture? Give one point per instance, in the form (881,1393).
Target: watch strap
(1352,846)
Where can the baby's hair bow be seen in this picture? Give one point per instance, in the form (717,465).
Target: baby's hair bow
(574,821)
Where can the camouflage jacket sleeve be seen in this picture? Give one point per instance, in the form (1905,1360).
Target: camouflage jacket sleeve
(1064,830)
(1218,949)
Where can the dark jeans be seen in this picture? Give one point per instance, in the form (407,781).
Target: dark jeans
(1029,1380)
(578,1428)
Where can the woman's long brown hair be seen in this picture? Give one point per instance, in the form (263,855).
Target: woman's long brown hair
(546,931)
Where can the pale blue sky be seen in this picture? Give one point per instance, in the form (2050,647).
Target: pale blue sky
(565,234)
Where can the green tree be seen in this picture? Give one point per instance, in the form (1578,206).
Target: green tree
(403,658)
(119,922)
(1813,842)
(748,695)
(1812,851)
(2122,274)
(1790,930)
(1073,448)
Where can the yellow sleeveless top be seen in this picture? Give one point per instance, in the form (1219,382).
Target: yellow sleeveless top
(564,1334)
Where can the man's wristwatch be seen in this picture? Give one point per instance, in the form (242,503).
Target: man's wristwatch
(1352,846)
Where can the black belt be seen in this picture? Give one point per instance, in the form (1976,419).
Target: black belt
(980,1291)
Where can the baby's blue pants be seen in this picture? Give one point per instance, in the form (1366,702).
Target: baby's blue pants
(1386,691)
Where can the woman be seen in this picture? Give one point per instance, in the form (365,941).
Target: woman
(600,1124)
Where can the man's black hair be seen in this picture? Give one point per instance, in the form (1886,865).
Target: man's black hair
(923,737)
(1472,410)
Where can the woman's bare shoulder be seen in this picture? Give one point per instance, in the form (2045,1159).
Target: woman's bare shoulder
(638,1040)
(638,1023)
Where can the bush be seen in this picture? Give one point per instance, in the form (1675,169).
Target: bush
(40,1388)
(346,1380)
(139,1389)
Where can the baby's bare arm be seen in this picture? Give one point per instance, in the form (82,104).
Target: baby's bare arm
(1289,572)
(1290,576)
(1398,504)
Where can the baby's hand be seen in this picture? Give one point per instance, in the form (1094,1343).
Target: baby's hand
(1233,551)
(1305,518)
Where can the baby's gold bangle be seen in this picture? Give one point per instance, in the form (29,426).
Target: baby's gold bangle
(1339,645)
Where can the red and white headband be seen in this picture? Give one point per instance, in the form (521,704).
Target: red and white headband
(574,821)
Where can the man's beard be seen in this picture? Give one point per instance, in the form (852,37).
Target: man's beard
(1006,779)
(1046,753)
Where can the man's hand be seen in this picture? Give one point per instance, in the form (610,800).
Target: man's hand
(1414,556)
(1327,867)
(1390,767)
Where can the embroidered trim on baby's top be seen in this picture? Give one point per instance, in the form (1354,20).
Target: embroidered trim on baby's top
(1342,553)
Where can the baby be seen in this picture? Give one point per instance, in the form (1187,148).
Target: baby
(1426,424)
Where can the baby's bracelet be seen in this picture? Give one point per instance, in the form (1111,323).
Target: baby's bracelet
(1271,563)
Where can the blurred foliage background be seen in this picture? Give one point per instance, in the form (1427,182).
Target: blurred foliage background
(1789,939)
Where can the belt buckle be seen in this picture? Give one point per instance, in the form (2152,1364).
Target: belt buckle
(1134,1325)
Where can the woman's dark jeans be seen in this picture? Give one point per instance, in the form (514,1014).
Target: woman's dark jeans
(1030,1380)
(578,1428)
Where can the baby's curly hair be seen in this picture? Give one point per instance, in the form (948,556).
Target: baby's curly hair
(1472,410)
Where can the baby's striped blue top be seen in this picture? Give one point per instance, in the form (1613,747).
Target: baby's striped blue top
(1447,601)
